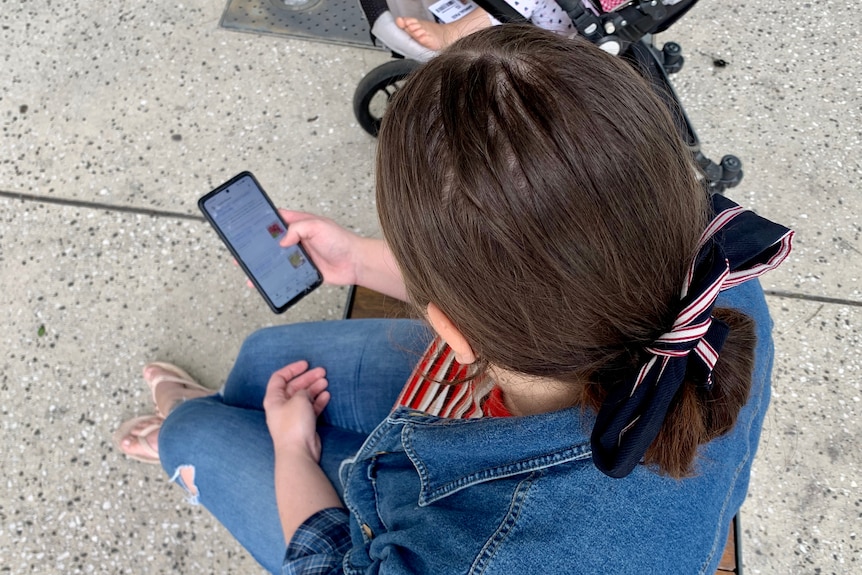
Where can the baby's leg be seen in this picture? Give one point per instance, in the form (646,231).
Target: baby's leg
(545,14)
(436,36)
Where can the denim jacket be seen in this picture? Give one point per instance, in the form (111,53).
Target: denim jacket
(521,495)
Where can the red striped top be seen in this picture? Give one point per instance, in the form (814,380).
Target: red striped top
(429,389)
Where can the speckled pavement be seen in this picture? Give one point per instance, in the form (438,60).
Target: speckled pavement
(117,116)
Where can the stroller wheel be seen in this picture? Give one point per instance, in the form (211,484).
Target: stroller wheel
(673,58)
(731,171)
(374,91)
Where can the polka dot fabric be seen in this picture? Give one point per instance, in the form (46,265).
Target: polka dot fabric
(545,14)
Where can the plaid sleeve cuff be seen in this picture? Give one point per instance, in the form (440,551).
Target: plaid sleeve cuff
(319,545)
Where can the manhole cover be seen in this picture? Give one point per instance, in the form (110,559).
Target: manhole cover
(335,21)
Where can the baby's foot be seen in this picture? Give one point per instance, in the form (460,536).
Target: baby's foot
(429,34)
(436,36)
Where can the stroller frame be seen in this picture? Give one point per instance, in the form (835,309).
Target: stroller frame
(627,30)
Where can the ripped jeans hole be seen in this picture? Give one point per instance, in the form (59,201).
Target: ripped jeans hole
(184,476)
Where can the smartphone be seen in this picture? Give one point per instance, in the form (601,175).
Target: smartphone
(248,223)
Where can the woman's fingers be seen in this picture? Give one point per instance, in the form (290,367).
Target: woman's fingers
(296,230)
(296,382)
(321,401)
(291,370)
(305,381)
(277,389)
(291,216)
(317,386)
(297,376)
(295,234)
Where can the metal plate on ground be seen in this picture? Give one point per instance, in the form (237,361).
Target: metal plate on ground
(333,21)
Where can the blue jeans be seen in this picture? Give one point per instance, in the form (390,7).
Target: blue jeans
(224,438)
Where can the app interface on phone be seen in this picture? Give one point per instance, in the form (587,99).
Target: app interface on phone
(254,230)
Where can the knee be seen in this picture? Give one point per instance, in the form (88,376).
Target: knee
(263,340)
(180,443)
(182,432)
(184,476)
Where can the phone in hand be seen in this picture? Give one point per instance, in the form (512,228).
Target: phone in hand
(250,226)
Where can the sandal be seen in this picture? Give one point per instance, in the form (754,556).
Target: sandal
(185,387)
(139,437)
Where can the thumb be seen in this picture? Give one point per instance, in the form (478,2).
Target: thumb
(296,232)
(292,216)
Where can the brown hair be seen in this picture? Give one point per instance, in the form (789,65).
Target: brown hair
(536,190)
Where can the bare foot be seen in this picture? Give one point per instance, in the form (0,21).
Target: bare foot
(430,34)
(171,386)
(436,36)
(138,438)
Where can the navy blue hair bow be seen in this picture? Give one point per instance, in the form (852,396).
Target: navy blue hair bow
(737,245)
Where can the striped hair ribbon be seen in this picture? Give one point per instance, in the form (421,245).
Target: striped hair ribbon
(737,245)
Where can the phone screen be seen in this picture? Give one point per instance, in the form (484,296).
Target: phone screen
(249,224)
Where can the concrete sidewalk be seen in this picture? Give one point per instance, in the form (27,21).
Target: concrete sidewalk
(116,117)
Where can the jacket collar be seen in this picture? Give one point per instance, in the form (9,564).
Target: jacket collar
(452,454)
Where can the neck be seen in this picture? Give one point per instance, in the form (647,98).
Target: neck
(529,395)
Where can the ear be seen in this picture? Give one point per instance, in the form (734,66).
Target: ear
(451,335)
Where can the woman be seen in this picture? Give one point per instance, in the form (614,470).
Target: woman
(588,402)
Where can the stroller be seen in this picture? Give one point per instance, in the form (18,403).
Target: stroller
(623,28)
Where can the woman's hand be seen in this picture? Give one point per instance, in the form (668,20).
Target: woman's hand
(344,258)
(295,397)
(334,249)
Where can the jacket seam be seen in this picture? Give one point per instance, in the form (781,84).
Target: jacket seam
(428,496)
(359,459)
(496,540)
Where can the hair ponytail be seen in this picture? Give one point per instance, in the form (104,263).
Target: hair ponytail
(699,416)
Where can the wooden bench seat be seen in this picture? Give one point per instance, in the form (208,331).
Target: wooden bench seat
(365,303)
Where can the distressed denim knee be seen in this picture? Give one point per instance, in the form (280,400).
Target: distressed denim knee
(179,446)
(215,452)
(184,476)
